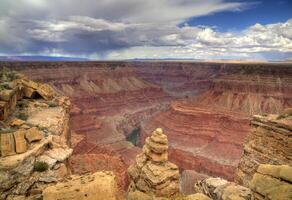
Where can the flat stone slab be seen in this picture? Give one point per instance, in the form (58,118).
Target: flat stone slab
(13,161)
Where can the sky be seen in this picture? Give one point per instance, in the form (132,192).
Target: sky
(147,29)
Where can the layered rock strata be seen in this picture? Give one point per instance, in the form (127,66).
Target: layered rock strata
(269,142)
(272,182)
(97,186)
(207,141)
(103,96)
(100,90)
(152,174)
(207,131)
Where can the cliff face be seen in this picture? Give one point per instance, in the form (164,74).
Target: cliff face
(108,103)
(180,79)
(206,129)
(33,145)
(249,94)
(272,182)
(269,142)
(207,141)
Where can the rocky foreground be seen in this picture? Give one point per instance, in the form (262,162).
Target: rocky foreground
(33,146)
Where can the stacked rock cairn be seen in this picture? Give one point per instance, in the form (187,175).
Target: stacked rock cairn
(152,175)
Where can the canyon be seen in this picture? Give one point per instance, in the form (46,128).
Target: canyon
(203,108)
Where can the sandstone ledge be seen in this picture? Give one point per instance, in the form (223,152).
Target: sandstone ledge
(97,186)
(269,142)
(10,162)
(272,182)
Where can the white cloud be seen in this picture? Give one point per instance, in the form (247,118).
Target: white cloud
(118,29)
(206,43)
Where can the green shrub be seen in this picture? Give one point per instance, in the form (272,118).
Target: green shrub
(281,116)
(22,104)
(5,85)
(52,104)
(12,75)
(40,166)
(7,75)
(22,116)
(6,130)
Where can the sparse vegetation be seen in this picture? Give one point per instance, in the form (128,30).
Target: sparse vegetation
(281,116)
(22,116)
(5,85)
(22,104)
(41,128)
(45,130)
(6,75)
(40,166)
(6,130)
(52,104)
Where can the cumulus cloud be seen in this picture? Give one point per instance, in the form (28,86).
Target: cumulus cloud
(122,29)
(258,41)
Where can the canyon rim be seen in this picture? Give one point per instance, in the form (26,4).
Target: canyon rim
(205,110)
(145,100)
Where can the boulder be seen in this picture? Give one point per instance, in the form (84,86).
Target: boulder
(208,186)
(59,154)
(31,88)
(269,142)
(20,142)
(7,144)
(46,91)
(33,135)
(97,186)
(277,171)
(272,182)
(220,189)
(28,92)
(236,192)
